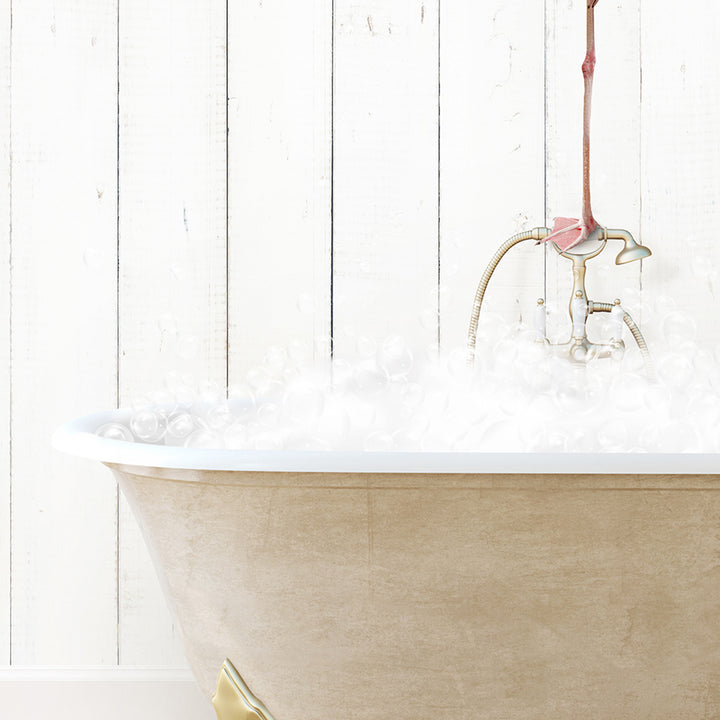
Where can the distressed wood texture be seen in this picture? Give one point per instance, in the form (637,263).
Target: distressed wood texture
(63,322)
(614,148)
(172,240)
(385,209)
(279,152)
(491,169)
(5,328)
(681,163)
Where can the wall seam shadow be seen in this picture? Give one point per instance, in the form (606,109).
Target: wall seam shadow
(332,184)
(227,198)
(545,135)
(439,171)
(117,326)
(10,345)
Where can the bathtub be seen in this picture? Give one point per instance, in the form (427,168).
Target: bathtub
(361,586)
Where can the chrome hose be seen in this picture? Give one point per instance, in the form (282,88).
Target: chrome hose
(534,234)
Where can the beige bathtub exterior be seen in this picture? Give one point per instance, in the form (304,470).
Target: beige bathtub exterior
(499,597)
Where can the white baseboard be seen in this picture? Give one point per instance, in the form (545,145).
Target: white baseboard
(110,693)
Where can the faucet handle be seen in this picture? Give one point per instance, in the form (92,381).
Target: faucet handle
(579,315)
(540,321)
(617,320)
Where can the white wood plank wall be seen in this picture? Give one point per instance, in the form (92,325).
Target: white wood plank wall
(385,173)
(279,172)
(5,210)
(64,300)
(491,158)
(172,248)
(184,184)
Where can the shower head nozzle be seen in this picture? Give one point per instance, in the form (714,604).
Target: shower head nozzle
(631,251)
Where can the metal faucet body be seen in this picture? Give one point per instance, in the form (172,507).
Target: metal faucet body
(578,349)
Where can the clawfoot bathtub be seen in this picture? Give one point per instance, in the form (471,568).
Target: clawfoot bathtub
(361,586)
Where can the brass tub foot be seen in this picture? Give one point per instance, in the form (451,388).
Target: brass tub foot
(233,700)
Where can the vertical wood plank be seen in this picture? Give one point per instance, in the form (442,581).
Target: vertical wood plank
(614,147)
(385,268)
(63,321)
(680,161)
(5,176)
(279,87)
(172,246)
(492,164)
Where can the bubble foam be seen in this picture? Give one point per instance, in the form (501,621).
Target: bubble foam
(518,397)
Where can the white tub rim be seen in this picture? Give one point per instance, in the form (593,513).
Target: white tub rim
(78,438)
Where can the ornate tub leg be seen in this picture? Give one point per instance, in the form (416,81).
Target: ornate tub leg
(233,700)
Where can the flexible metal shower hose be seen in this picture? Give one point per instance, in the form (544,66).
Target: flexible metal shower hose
(634,329)
(534,234)
(539,234)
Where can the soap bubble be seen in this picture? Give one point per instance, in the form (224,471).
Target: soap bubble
(537,377)
(675,370)
(164,402)
(572,395)
(679,327)
(394,357)
(369,379)
(299,353)
(512,401)
(664,305)
(657,400)
(236,436)
(303,402)
(242,401)
(429,318)
(705,410)
(268,414)
(219,417)
(556,440)
(272,391)
(679,437)
(436,401)
(613,435)
(505,354)
(520,396)
(147,425)
(457,365)
(203,439)
(334,423)
(115,431)
(267,441)
(500,436)
(139,402)
(491,328)
(180,425)
(258,376)
(628,392)
(182,387)
(210,392)
(366,346)
(412,395)
(361,413)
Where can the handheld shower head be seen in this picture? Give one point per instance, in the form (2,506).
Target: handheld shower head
(631,251)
